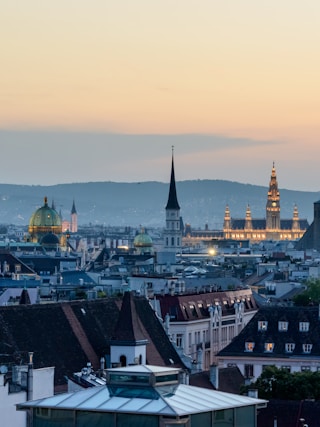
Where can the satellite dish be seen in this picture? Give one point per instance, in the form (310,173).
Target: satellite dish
(3,369)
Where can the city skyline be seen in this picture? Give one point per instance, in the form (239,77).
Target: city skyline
(100,92)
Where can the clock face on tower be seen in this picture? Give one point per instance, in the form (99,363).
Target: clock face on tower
(274,204)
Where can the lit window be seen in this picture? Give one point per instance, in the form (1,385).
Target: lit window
(290,346)
(282,326)
(303,326)
(262,325)
(249,346)
(268,347)
(305,368)
(306,348)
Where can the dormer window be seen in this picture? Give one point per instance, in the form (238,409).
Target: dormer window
(249,346)
(283,326)
(303,326)
(268,347)
(306,348)
(262,325)
(290,346)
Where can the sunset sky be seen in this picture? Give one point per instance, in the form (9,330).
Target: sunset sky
(100,90)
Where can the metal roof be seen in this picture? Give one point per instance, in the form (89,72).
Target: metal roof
(171,400)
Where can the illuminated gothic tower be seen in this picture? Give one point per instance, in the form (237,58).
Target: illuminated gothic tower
(273,204)
(173,232)
(248,221)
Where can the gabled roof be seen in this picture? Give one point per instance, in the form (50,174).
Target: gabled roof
(273,315)
(195,306)
(65,334)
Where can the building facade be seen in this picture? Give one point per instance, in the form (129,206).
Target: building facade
(286,337)
(272,227)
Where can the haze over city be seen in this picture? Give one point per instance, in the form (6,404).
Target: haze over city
(100,91)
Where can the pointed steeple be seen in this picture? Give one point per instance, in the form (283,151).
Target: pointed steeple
(172,199)
(73,209)
(128,344)
(128,329)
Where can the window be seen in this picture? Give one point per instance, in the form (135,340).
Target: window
(282,326)
(305,368)
(303,326)
(286,368)
(248,371)
(262,325)
(306,348)
(290,346)
(268,347)
(179,340)
(249,345)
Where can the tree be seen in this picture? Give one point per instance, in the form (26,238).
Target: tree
(311,295)
(275,383)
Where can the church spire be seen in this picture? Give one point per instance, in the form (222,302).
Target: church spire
(73,209)
(172,199)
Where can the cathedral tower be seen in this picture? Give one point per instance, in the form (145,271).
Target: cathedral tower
(273,204)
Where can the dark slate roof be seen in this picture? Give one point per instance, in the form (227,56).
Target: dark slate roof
(257,224)
(182,308)
(172,198)
(12,261)
(159,344)
(274,314)
(48,263)
(59,334)
(74,276)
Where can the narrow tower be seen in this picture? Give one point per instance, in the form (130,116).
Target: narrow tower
(173,232)
(74,219)
(248,221)
(295,219)
(273,204)
(227,223)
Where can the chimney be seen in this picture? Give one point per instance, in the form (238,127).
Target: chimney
(30,377)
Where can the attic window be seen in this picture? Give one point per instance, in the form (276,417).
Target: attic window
(268,347)
(262,325)
(249,346)
(304,326)
(283,326)
(306,348)
(290,346)
(193,310)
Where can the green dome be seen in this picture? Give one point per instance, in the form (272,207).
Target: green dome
(45,217)
(142,240)
(44,220)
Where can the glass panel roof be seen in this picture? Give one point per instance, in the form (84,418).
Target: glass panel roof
(178,400)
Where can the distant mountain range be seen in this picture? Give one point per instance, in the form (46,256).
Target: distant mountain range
(133,204)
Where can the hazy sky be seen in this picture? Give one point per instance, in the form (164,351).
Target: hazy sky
(100,90)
